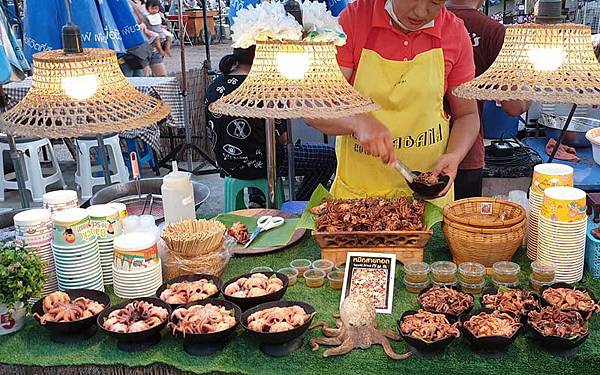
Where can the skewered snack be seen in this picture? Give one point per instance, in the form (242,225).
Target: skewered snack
(193,238)
(493,324)
(445,301)
(239,231)
(551,321)
(202,319)
(189,291)
(370,215)
(570,299)
(258,284)
(516,301)
(428,326)
(427,178)
(277,319)
(136,316)
(59,308)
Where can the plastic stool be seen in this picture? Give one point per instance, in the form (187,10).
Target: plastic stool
(84,177)
(294,207)
(145,155)
(233,187)
(36,183)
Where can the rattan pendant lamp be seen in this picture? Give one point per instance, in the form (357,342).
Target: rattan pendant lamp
(75,92)
(548,62)
(292,79)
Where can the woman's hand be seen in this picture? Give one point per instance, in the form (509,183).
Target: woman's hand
(375,138)
(447,165)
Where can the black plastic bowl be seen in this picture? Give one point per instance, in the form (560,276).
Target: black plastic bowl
(422,345)
(208,343)
(429,191)
(72,328)
(585,314)
(216,280)
(247,303)
(492,291)
(489,343)
(278,338)
(137,341)
(451,317)
(556,342)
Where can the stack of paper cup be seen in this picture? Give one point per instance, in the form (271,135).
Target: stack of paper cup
(137,269)
(544,177)
(106,225)
(76,252)
(60,200)
(562,232)
(121,207)
(33,230)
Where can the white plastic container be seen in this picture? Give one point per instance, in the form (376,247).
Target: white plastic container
(177,196)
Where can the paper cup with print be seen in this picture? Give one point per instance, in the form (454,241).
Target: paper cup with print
(105,221)
(72,228)
(121,207)
(564,205)
(551,175)
(135,251)
(60,200)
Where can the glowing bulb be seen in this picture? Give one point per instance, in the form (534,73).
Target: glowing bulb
(293,65)
(80,87)
(546,59)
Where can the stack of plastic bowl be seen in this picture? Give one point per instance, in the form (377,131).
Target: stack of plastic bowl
(60,200)
(137,269)
(76,252)
(106,224)
(562,230)
(33,229)
(544,177)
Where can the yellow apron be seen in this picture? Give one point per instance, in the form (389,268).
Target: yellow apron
(411,95)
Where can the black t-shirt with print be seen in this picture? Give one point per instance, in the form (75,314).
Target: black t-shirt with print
(238,143)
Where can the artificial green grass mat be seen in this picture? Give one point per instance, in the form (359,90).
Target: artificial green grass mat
(31,346)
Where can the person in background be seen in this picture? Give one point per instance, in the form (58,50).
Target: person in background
(239,143)
(155,59)
(487,38)
(163,38)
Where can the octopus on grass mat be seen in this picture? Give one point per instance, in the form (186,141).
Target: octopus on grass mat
(567,298)
(356,327)
(257,285)
(427,332)
(516,301)
(202,319)
(560,330)
(58,307)
(136,316)
(185,291)
(444,300)
(278,319)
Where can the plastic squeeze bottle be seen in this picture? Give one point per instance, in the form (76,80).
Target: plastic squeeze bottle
(177,196)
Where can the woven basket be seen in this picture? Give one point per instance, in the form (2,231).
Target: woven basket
(482,245)
(469,212)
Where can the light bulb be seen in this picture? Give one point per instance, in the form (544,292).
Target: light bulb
(546,59)
(293,65)
(80,87)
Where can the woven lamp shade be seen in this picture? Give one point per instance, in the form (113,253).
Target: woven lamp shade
(545,63)
(79,94)
(294,80)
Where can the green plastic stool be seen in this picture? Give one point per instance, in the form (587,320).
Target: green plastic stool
(234,192)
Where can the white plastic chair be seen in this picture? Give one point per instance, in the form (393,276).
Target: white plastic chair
(84,177)
(35,181)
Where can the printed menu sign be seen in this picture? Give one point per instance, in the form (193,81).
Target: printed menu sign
(371,275)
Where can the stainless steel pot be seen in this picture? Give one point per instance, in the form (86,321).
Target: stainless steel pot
(575,135)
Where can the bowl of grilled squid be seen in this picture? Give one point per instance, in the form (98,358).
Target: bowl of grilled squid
(490,331)
(569,298)
(204,326)
(186,289)
(558,329)
(426,331)
(276,324)
(512,300)
(70,312)
(252,289)
(449,301)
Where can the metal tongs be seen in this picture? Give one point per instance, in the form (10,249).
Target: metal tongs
(135,168)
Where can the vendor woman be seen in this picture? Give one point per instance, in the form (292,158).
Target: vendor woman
(406,55)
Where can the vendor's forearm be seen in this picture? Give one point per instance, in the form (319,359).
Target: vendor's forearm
(463,135)
(340,126)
